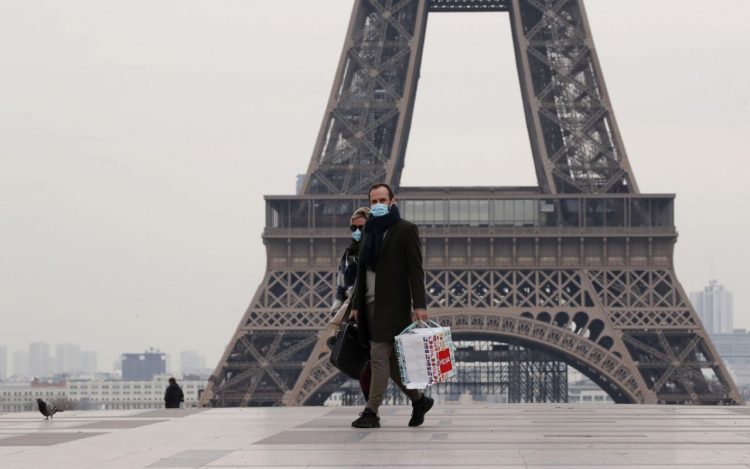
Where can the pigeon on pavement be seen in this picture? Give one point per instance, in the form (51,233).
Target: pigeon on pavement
(46,408)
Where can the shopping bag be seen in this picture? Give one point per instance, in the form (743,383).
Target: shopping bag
(425,355)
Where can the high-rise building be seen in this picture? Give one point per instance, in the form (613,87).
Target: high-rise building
(67,358)
(3,363)
(88,362)
(21,363)
(39,360)
(191,363)
(714,306)
(146,365)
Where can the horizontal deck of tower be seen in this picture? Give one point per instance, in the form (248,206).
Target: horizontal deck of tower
(480,229)
(483,213)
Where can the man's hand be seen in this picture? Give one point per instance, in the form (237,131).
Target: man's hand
(354,314)
(420,314)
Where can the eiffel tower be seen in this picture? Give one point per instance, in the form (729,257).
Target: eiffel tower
(580,267)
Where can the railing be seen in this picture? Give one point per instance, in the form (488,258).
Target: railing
(468,5)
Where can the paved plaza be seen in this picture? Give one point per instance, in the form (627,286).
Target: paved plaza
(454,436)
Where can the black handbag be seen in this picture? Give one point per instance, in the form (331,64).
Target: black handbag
(348,354)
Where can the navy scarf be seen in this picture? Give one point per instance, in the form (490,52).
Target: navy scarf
(374,230)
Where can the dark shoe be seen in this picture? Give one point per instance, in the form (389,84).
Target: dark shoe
(367,419)
(419,408)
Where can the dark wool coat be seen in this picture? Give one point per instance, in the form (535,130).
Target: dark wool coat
(399,284)
(173,396)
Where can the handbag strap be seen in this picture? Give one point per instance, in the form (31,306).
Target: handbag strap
(348,302)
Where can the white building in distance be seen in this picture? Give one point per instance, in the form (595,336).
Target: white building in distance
(89,363)
(714,306)
(21,363)
(67,358)
(39,360)
(192,363)
(96,394)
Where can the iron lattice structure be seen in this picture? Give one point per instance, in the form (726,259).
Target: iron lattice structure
(579,268)
(488,371)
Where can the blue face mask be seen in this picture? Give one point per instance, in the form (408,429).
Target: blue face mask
(378,210)
(357,235)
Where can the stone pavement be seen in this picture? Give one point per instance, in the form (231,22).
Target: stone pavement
(454,436)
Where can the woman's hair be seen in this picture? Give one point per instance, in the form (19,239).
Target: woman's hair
(361,212)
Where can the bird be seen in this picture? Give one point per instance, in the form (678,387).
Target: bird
(46,408)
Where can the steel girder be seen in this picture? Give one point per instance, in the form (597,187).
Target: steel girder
(574,137)
(365,127)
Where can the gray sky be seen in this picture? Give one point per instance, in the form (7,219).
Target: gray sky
(138,137)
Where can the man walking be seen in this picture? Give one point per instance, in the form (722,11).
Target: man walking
(390,281)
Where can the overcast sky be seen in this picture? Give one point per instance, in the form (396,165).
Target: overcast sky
(138,137)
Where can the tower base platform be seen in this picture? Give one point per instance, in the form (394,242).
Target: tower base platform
(461,436)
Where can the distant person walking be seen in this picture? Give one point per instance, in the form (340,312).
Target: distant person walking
(173,395)
(390,283)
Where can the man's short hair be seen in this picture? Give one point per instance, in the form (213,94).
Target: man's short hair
(391,195)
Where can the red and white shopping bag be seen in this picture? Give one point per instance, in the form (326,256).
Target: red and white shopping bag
(425,355)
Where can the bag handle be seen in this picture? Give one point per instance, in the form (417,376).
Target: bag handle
(433,323)
(419,322)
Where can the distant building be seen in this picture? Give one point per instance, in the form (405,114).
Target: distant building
(191,363)
(39,360)
(3,363)
(714,306)
(21,397)
(67,359)
(21,363)
(585,391)
(88,363)
(143,366)
(125,395)
(734,349)
(97,394)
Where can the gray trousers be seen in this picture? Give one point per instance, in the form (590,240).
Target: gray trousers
(384,365)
